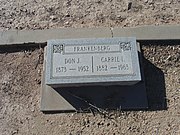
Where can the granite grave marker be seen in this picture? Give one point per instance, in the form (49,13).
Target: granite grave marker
(93,61)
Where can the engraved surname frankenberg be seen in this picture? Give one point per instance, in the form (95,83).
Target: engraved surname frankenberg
(92,48)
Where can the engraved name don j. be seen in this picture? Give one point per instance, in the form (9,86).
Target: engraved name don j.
(71,60)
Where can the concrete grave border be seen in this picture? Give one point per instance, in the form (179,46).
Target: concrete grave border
(166,32)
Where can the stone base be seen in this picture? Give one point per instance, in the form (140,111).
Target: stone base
(112,97)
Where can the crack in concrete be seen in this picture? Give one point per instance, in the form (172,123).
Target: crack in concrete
(17,32)
(111,30)
(2,33)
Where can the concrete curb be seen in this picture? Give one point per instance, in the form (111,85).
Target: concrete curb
(41,36)
(150,32)
(169,32)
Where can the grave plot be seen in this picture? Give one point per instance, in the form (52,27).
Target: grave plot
(103,72)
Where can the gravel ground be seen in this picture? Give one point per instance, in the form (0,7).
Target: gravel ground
(41,14)
(20,81)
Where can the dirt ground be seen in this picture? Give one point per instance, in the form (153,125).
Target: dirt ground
(20,71)
(44,14)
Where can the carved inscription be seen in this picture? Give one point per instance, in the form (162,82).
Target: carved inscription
(91,60)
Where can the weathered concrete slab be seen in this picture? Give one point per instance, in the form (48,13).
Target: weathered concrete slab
(92,61)
(105,97)
(167,32)
(41,36)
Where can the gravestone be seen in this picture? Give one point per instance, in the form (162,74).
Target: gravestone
(96,61)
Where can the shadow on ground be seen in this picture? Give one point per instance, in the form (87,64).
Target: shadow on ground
(155,86)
